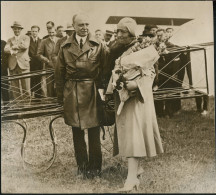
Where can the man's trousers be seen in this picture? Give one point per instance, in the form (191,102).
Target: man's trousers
(93,161)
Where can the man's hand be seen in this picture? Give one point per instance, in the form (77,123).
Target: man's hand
(15,47)
(155,88)
(13,52)
(46,60)
(131,85)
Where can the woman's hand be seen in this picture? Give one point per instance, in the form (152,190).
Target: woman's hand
(131,85)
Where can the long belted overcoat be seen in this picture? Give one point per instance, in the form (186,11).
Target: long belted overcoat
(79,74)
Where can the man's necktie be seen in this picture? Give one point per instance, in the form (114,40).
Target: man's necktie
(81,43)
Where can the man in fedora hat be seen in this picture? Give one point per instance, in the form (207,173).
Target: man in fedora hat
(28,33)
(18,61)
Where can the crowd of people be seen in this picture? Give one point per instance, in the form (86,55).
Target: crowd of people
(83,64)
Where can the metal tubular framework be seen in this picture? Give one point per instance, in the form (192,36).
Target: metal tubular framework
(46,106)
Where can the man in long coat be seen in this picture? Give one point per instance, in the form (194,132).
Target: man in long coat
(79,76)
(45,54)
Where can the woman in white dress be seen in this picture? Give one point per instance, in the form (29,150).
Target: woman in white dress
(137,129)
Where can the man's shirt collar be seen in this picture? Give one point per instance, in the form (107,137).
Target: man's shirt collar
(78,39)
(17,37)
(35,39)
(54,39)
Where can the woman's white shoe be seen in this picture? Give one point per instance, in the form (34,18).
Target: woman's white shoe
(130,185)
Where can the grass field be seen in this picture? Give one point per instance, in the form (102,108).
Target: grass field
(187,166)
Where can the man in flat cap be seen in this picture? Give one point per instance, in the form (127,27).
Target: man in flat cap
(79,78)
(18,61)
(107,37)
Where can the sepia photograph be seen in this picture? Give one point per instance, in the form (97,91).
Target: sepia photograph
(107,97)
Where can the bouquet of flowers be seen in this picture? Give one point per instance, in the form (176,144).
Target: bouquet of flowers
(134,63)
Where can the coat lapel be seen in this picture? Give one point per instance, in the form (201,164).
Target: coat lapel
(74,48)
(50,44)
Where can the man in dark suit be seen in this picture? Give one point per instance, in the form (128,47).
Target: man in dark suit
(35,63)
(4,72)
(49,25)
(45,54)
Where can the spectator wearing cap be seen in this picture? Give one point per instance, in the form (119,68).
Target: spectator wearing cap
(49,25)
(107,37)
(147,33)
(28,33)
(18,61)
(35,63)
(114,42)
(60,31)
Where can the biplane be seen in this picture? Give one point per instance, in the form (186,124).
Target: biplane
(194,83)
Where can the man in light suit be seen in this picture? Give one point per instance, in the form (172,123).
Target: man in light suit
(35,63)
(18,61)
(46,55)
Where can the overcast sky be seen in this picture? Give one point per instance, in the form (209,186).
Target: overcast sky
(39,12)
